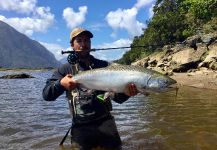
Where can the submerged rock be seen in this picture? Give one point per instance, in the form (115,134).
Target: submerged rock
(16,76)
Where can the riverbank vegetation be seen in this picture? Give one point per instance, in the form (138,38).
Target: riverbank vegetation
(173,22)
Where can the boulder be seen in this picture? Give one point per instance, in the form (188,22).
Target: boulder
(187,58)
(207,39)
(210,58)
(143,62)
(192,41)
(16,76)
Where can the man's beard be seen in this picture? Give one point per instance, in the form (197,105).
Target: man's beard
(83,55)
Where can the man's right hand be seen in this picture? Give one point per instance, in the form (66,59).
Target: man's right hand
(68,83)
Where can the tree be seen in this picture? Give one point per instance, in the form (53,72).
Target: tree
(201,9)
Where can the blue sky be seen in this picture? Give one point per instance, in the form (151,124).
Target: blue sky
(113,23)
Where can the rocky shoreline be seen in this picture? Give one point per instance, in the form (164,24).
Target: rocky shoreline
(199,79)
(191,63)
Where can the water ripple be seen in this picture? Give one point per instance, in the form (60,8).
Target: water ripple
(159,121)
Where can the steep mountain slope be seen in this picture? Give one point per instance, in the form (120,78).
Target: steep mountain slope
(19,51)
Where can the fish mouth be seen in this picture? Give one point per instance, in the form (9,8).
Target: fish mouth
(172,84)
(172,87)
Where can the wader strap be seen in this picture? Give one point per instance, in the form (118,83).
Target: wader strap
(72,94)
(75,69)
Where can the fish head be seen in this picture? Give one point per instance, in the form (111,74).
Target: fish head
(160,83)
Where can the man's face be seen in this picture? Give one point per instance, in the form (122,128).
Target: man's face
(82,45)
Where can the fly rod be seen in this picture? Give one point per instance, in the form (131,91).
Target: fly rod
(98,49)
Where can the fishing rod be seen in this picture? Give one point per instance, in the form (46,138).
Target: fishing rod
(98,49)
(73,55)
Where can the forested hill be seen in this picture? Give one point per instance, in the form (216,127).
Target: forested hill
(173,22)
(18,51)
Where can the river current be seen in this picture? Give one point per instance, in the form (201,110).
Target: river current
(162,121)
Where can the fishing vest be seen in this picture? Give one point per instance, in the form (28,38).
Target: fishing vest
(87,106)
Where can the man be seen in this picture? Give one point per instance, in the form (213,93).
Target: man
(93,124)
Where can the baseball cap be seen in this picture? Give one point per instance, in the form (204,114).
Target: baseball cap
(75,32)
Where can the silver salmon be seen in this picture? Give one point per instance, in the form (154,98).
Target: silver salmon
(115,78)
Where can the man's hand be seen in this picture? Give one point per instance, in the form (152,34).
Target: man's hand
(131,90)
(68,83)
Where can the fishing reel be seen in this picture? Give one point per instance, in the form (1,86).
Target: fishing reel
(72,57)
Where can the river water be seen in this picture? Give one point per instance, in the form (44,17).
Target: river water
(157,122)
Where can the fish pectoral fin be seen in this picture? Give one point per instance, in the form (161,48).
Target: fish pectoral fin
(113,64)
(144,92)
(110,95)
(106,96)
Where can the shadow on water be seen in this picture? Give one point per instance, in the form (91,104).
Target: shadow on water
(159,121)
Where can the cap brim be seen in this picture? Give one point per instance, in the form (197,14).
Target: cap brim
(88,33)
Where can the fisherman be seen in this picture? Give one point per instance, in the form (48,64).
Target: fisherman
(92,123)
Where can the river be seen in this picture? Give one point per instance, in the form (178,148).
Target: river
(156,122)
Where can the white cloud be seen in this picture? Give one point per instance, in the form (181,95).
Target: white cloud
(39,21)
(151,13)
(20,6)
(115,54)
(55,49)
(125,19)
(73,18)
(143,3)
(118,43)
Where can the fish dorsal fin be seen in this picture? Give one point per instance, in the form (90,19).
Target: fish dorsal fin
(114,64)
(117,66)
